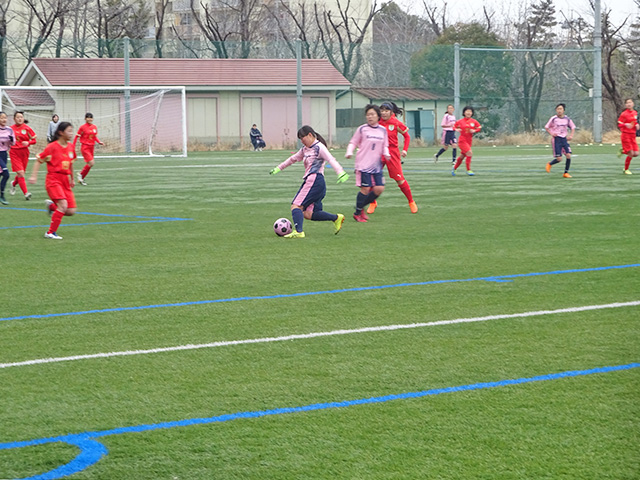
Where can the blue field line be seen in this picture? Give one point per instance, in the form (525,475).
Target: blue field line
(497,279)
(92,451)
(143,219)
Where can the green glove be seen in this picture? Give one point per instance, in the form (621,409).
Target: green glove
(343,178)
(274,171)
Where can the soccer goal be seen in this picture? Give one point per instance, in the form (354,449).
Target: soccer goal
(132,121)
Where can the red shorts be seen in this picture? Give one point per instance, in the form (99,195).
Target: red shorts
(629,143)
(395,165)
(19,159)
(464,146)
(58,188)
(87,151)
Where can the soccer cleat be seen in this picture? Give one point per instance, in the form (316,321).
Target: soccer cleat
(3,201)
(620,153)
(435,158)
(12,190)
(413,207)
(548,167)
(53,236)
(566,175)
(295,234)
(27,196)
(360,218)
(628,172)
(337,225)
(80,179)
(48,204)
(470,173)
(453,171)
(364,215)
(372,206)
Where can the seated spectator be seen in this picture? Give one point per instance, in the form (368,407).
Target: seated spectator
(256,139)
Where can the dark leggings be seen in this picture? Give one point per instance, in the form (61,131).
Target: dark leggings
(5,172)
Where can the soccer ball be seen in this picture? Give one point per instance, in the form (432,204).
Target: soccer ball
(282,227)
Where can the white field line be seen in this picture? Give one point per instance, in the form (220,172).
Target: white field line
(305,336)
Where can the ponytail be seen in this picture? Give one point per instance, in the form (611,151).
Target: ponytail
(306,130)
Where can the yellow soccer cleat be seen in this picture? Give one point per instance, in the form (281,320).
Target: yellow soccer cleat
(295,234)
(337,225)
(628,172)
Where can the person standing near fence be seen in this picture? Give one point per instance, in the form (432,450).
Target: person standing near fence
(448,134)
(628,125)
(7,139)
(25,137)
(88,134)
(561,129)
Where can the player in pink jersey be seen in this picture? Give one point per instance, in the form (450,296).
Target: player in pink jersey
(467,126)
(25,137)
(448,134)
(561,129)
(88,134)
(388,111)
(628,125)
(308,201)
(372,142)
(59,156)
(7,139)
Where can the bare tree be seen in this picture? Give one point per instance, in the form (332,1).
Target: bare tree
(40,19)
(342,35)
(226,21)
(437,19)
(116,19)
(162,9)
(295,25)
(4,8)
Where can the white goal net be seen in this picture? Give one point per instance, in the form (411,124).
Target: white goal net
(132,121)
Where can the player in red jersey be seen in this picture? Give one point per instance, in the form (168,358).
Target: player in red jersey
(389,120)
(59,156)
(467,126)
(628,125)
(19,153)
(88,134)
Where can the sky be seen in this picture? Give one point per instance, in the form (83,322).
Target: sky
(467,10)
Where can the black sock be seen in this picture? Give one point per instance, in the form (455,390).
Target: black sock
(323,216)
(3,182)
(360,202)
(455,150)
(554,161)
(298,218)
(442,150)
(567,165)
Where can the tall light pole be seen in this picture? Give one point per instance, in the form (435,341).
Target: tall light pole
(597,73)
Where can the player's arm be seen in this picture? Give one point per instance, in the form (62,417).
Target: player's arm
(40,159)
(407,139)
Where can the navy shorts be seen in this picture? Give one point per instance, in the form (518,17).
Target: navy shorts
(560,146)
(367,179)
(3,161)
(311,192)
(449,137)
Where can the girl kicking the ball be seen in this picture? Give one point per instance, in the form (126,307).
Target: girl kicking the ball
(59,156)
(308,201)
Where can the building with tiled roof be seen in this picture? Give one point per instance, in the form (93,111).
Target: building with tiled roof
(224,96)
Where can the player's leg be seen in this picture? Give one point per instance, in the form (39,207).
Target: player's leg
(4,172)
(87,154)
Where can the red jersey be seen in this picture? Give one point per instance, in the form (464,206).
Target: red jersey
(61,157)
(395,126)
(467,127)
(628,116)
(88,134)
(23,133)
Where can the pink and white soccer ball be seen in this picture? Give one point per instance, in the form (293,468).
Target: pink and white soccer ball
(282,227)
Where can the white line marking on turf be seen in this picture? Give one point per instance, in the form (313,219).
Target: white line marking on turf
(304,336)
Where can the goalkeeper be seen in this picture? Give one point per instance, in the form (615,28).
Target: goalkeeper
(308,201)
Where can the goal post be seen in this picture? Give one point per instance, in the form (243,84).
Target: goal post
(132,121)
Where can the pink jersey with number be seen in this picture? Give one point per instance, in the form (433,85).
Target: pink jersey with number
(372,144)
(558,126)
(448,121)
